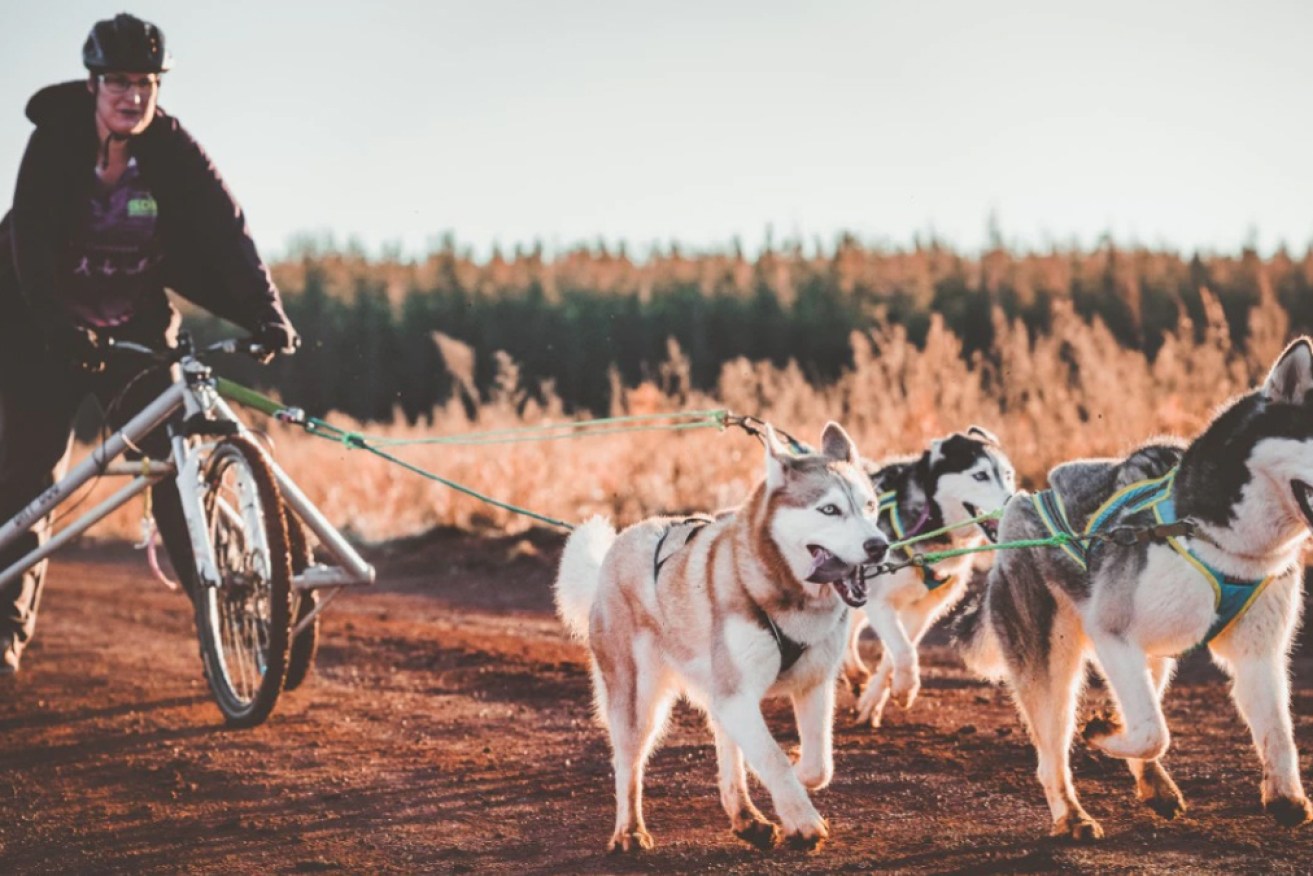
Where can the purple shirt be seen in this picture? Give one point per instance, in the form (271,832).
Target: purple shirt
(114,258)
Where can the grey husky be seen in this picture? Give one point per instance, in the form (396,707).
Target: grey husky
(1206,544)
(956,478)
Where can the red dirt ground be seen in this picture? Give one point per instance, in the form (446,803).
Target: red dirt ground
(447,729)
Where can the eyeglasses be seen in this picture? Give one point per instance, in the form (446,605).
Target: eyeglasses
(116,83)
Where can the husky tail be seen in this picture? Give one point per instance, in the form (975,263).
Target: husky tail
(577,577)
(971,629)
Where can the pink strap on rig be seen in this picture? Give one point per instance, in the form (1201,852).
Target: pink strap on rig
(148,531)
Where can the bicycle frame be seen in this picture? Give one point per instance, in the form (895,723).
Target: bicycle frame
(194,391)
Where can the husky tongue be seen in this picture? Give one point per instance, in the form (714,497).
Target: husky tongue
(826,567)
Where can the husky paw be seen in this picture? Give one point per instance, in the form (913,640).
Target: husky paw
(870,706)
(1077,826)
(1159,793)
(1288,811)
(1168,806)
(906,685)
(809,838)
(857,678)
(759,833)
(869,717)
(1100,727)
(626,841)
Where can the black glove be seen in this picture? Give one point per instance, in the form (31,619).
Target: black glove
(276,337)
(80,348)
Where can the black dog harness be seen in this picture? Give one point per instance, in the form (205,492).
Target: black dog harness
(790,650)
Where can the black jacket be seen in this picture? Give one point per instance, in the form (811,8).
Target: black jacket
(209,256)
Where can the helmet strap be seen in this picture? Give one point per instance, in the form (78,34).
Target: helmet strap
(104,149)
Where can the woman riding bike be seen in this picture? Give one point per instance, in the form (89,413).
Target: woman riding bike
(115,202)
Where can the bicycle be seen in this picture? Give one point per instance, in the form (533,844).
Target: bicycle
(256,603)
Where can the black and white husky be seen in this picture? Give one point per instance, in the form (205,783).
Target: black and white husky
(1232,511)
(957,478)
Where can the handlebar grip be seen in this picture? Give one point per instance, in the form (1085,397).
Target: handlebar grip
(113,344)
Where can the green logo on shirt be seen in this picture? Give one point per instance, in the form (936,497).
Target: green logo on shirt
(143,206)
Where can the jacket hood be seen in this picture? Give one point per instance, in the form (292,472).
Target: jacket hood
(61,104)
(67,104)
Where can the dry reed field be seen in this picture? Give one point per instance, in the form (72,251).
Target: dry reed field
(1073,392)
(447,726)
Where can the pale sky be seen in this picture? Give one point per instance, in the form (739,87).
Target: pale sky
(1184,124)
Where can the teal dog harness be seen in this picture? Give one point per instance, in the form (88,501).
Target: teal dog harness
(1232,596)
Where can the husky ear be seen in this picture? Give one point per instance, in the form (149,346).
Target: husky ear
(1291,377)
(775,455)
(935,452)
(836,444)
(983,434)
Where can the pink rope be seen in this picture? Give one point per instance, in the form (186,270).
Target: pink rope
(152,558)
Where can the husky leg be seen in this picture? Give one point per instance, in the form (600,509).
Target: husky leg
(637,705)
(1142,732)
(814,711)
(1258,662)
(740,717)
(898,649)
(745,819)
(870,706)
(1153,786)
(1045,654)
(854,669)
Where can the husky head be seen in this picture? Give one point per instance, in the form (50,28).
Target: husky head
(1252,469)
(966,475)
(824,515)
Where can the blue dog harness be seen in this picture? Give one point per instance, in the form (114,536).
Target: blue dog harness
(1232,596)
(889,509)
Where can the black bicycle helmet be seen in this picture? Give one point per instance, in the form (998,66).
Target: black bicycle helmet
(126,43)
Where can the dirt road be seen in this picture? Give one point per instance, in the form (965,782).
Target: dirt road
(447,729)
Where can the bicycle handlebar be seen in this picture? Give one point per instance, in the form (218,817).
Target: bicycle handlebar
(185,348)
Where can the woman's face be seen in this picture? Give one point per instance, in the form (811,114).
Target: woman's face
(125,102)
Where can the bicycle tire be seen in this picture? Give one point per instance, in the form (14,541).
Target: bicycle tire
(245,622)
(305,645)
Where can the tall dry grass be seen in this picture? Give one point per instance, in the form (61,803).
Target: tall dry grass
(1074,392)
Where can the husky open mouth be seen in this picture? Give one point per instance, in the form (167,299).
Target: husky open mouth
(1303,494)
(988,527)
(847,579)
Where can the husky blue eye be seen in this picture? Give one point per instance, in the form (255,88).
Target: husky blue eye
(829,510)
(981,476)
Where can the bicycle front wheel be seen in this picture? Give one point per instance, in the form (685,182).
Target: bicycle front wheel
(245,621)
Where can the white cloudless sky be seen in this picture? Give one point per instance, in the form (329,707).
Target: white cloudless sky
(1171,123)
